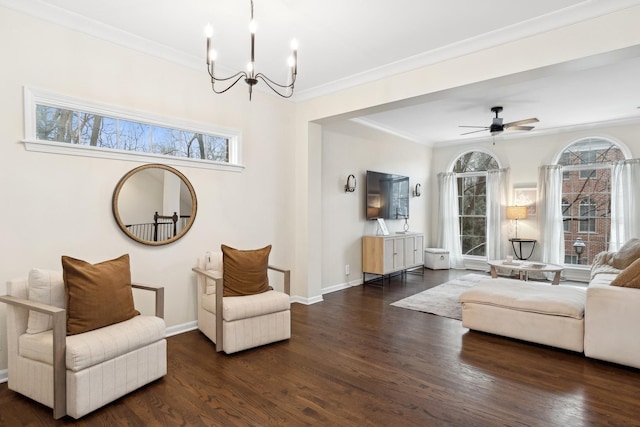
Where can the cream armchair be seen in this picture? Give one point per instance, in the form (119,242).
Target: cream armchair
(79,373)
(236,323)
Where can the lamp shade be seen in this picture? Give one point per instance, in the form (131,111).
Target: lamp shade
(516,212)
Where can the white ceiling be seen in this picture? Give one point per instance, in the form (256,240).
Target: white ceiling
(349,42)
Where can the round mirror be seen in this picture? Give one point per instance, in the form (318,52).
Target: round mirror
(154,204)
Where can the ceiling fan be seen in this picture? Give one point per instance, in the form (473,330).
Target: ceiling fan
(497,127)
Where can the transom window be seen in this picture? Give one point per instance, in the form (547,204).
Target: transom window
(471,172)
(99,130)
(586,196)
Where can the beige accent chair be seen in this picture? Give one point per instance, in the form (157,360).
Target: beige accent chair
(79,373)
(240,322)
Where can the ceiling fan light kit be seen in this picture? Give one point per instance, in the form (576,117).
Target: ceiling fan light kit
(497,127)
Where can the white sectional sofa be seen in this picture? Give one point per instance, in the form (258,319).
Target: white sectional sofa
(607,328)
(612,316)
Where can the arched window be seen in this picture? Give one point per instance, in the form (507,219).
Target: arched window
(471,173)
(586,196)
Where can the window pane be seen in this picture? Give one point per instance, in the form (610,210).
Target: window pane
(473,235)
(54,124)
(133,136)
(83,128)
(586,194)
(165,141)
(217,149)
(475,161)
(566,215)
(472,208)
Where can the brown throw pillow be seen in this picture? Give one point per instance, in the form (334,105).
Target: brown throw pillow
(629,277)
(244,272)
(97,294)
(628,253)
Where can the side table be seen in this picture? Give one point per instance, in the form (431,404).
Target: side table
(518,252)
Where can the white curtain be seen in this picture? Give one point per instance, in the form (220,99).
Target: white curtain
(449,220)
(550,214)
(496,202)
(625,202)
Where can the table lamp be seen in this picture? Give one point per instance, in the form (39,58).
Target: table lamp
(516,212)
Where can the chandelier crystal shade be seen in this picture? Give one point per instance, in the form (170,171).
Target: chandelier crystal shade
(250,76)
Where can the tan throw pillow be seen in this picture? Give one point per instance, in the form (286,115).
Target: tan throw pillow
(628,253)
(244,272)
(629,277)
(97,294)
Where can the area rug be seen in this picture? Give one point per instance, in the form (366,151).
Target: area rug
(442,300)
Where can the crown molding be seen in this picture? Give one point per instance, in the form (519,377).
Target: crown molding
(584,11)
(587,9)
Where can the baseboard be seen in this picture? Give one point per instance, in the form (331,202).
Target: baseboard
(342,286)
(179,329)
(4,376)
(307,301)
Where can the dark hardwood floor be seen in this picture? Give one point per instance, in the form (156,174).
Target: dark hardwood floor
(354,360)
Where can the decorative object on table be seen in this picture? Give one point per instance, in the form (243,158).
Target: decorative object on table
(516,213)
(250,76)
(442,300)
(350,186)
(382,226)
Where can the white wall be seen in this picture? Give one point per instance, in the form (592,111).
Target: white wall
(55,205)
(350,148)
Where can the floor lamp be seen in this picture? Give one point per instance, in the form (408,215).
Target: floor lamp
(516,212)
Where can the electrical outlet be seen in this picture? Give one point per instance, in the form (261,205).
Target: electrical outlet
(347,269)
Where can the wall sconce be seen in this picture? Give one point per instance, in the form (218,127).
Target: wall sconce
(517,212)
(417,191)
(350,187)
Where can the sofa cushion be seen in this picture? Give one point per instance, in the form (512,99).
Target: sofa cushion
(96,346)
(628,253)
(46,287)
(97,294)
(603,279)
(629,277)
(558,300)
(244,272)
(236,308)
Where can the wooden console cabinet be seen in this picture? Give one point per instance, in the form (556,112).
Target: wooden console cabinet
(389,254)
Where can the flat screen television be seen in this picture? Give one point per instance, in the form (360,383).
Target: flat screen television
(387,196)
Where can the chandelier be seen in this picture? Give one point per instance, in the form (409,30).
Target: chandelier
(250,76)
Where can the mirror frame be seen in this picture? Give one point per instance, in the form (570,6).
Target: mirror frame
(116,213)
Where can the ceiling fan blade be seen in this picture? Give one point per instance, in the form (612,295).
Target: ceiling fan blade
(522,122)
(483,127)
(473,131)
(519,127)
